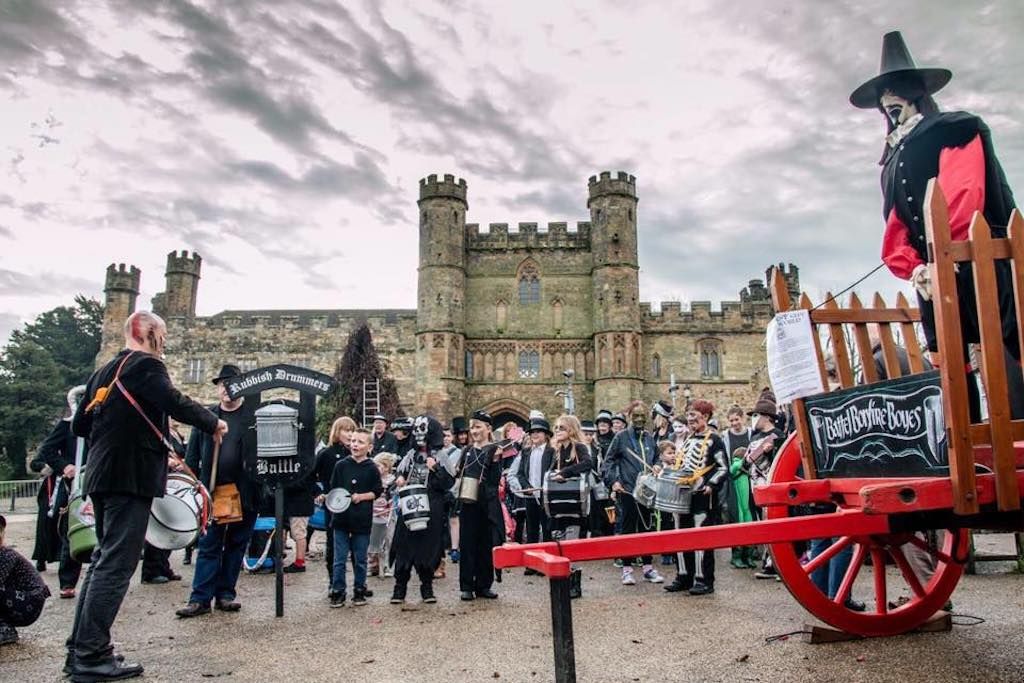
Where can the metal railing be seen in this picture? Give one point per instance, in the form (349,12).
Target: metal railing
(19,495)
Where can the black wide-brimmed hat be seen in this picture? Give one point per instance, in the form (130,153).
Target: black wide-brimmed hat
(897,65)
(663,408)
(539,424)
(227,372)
(459,425)
(483,416)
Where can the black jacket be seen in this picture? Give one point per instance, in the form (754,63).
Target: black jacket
(58,450)
(523,473)
(572,464)
(125,455)
(325,462)
(385,443)
(623,463)
(356,477)
(200,452)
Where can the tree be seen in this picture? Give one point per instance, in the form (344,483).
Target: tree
(37,367)
(359,362)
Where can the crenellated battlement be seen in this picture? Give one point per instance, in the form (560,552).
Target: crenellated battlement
(447,188)
(528,236)
(731,316)
(184,263)
(604,184)
(122,278)
(792,277)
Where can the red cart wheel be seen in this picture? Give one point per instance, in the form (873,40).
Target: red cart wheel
(879,619)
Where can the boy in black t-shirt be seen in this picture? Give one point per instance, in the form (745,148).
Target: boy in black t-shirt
(351,528)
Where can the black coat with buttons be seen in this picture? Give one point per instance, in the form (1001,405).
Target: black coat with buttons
(909,166)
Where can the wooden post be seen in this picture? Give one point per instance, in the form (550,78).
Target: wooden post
(561,631)
(279,550)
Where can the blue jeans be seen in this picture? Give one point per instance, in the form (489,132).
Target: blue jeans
(829,577)
(219,560)
(345,542)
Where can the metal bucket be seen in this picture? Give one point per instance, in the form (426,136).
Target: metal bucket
(277,431)
(469,489)
(81,528)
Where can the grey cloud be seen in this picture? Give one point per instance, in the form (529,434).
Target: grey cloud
(14,283)
(8,323)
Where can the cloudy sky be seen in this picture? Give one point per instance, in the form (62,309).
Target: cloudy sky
(284,140)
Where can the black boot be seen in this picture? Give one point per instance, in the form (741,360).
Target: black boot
(680,584)
(575,584)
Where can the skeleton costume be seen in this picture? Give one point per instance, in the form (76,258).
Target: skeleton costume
(422,550)
(700,454)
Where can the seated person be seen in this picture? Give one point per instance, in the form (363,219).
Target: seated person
(22,591)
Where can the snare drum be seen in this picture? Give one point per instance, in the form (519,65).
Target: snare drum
(177,519)
(671,497)
(646,489)
(566,499)
(415,506)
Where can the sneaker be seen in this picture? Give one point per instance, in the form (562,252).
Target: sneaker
(294,568)
(427,594)
(652,576)
(627,577)
(193,609)
(337,599)
(389,573)
(701,589)
(766,573)
(854,605)
(617,563)
(398,596)
(67,593)
(359,599)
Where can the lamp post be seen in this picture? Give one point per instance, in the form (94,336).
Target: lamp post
(568,400)
(687,395)
(673,390)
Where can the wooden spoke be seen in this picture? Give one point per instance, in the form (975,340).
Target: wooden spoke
(859,555)
(827,554)
(934,552)
(908,572)
(878,568)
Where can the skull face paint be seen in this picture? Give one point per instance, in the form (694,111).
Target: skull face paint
(897,108)
(420,426)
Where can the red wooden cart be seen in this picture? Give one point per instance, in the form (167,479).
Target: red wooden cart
(875,516)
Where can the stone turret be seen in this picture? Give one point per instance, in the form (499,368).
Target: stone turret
(121,290)
(612,201)
(182,276)
(441,289)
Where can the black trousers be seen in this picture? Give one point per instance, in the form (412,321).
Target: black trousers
(69,570)
(537,523)
(476,567)
(120,534)
(635,518)
(708,514)
(403,575)
(155,562)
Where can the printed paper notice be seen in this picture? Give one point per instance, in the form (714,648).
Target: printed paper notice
(792,362)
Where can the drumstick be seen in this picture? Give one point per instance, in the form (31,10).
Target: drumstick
(213,470)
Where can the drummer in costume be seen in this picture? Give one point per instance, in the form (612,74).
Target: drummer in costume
(534,462)
(702,456)
(481,525)
(955,147)
(631,454)
(221,549)
(124,416)
(422,549)
(58,453)
(571,461)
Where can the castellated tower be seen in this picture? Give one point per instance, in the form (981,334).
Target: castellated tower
(440,317)
(182,277)
(616,288)
(121,289)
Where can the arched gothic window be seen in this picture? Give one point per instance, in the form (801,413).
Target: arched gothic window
(501,314)
(710,352)
(469,365)
(529,364)
(556,314)
(656,366)
(529,283)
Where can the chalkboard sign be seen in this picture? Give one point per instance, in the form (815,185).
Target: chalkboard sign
(893,428)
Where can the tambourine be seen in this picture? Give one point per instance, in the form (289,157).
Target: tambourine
(337,500)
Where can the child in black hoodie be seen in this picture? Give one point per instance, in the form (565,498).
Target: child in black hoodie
(351,528)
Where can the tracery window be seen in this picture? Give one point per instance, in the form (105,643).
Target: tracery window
(710,352)
(529,364)
(529,283)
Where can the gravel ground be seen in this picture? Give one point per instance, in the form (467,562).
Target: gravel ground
(622,633)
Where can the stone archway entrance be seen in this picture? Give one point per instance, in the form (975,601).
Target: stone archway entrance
(509,410)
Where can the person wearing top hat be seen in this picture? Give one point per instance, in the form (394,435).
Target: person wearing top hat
(922,143)
(534,461)
(383,440)
(764,414)
(220,550)
(481,524)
